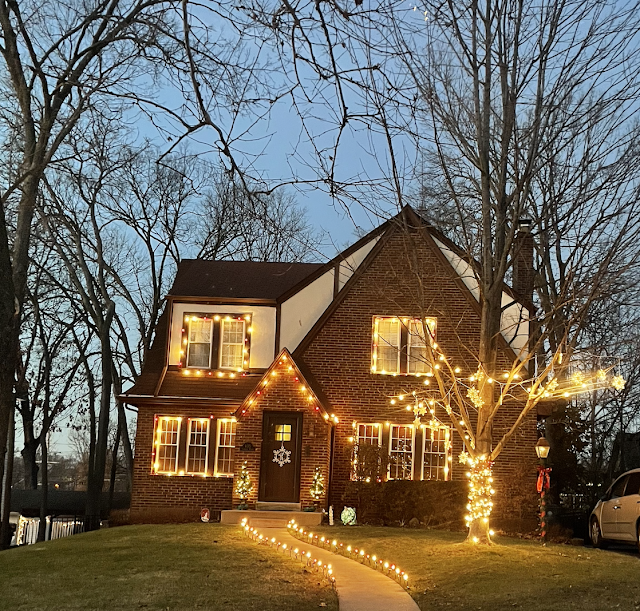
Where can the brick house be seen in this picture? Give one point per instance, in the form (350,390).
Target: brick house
(289,367)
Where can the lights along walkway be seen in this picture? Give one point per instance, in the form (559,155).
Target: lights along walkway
(359,587)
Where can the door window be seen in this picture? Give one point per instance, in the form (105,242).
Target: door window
(283,432)
(633,485)
(618,487)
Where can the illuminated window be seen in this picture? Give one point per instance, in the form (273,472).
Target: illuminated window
(366,462)
(387,341)
(215,341)
(417,337)
(283,432)
(436,453)
(400,345)
(197,446)
(225,446)
(166,445)
(401,441)
(199,341)
(232,344)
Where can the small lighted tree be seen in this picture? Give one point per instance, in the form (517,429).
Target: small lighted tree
(317,486)
(244,486)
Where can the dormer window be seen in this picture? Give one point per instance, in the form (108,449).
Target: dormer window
(199,342)
(399,345)
(215,341)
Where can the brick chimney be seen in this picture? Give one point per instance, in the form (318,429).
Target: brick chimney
(523,260)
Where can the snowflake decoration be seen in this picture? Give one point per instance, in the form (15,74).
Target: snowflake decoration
(282,456)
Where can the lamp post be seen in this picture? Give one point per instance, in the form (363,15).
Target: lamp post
(544,480)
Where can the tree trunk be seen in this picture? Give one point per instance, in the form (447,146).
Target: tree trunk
(123,430)
(44,482)
(114,469)
(5,492)
(98,465)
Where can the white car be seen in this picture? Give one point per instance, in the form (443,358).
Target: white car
(616,517)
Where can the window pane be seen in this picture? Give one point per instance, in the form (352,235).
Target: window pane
(388,345)
(633,485)
(401,452)
(437,453)
(232,344)
(417,348)
(167,436)
(225,448)
(197,444)
(199,342)
(283,432)
(618,487)
(366,464)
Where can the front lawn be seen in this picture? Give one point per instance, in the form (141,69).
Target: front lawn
(446,573)
(170,567)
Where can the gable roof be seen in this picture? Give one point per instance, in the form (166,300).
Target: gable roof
(316,397)
(238,279)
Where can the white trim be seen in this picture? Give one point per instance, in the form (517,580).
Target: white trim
(157,445)
(243,344)
(447,450)
(413,448)
(210,321)
(219,421)
(376,345)
(373,424)
(206,447)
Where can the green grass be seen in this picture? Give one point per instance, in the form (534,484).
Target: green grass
(447,573)
(175,567)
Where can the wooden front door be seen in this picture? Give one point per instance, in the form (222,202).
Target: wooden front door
(281,451)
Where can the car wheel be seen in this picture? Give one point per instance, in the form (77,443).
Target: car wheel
(596,534)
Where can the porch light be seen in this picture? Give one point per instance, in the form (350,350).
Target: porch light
(542,448)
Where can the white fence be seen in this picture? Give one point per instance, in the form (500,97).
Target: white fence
(27,530)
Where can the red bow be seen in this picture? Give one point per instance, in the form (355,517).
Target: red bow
(544,479)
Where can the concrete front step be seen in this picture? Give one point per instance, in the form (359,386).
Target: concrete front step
(270,519)
(269,506)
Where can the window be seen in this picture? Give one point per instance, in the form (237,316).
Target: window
(387,341)
(633,485)
(166,445)
(225,446)
(400,345)
(187,446)
(436,453)
(401,438)
(199,342)
(215,341)
(197,446)
(283,432)
(232,344)
(366,455)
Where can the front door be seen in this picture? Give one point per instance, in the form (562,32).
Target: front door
(281,451)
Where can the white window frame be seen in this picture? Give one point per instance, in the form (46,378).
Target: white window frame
(190,320)
(376,340)
(189,446)
(158,445)
(357,438)
(447,451)
(219,422)
(410,343)
(413,450)
(243,344)
(372,424)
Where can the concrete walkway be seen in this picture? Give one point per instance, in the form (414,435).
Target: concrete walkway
(359,587)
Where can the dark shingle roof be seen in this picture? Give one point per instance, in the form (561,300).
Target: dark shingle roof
(238,279)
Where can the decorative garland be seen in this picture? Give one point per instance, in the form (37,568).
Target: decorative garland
(332,545)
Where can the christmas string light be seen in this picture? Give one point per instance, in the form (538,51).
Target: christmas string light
(358,555)
(304,556)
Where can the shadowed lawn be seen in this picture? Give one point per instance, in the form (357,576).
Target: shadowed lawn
(446,573)
(169,567)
